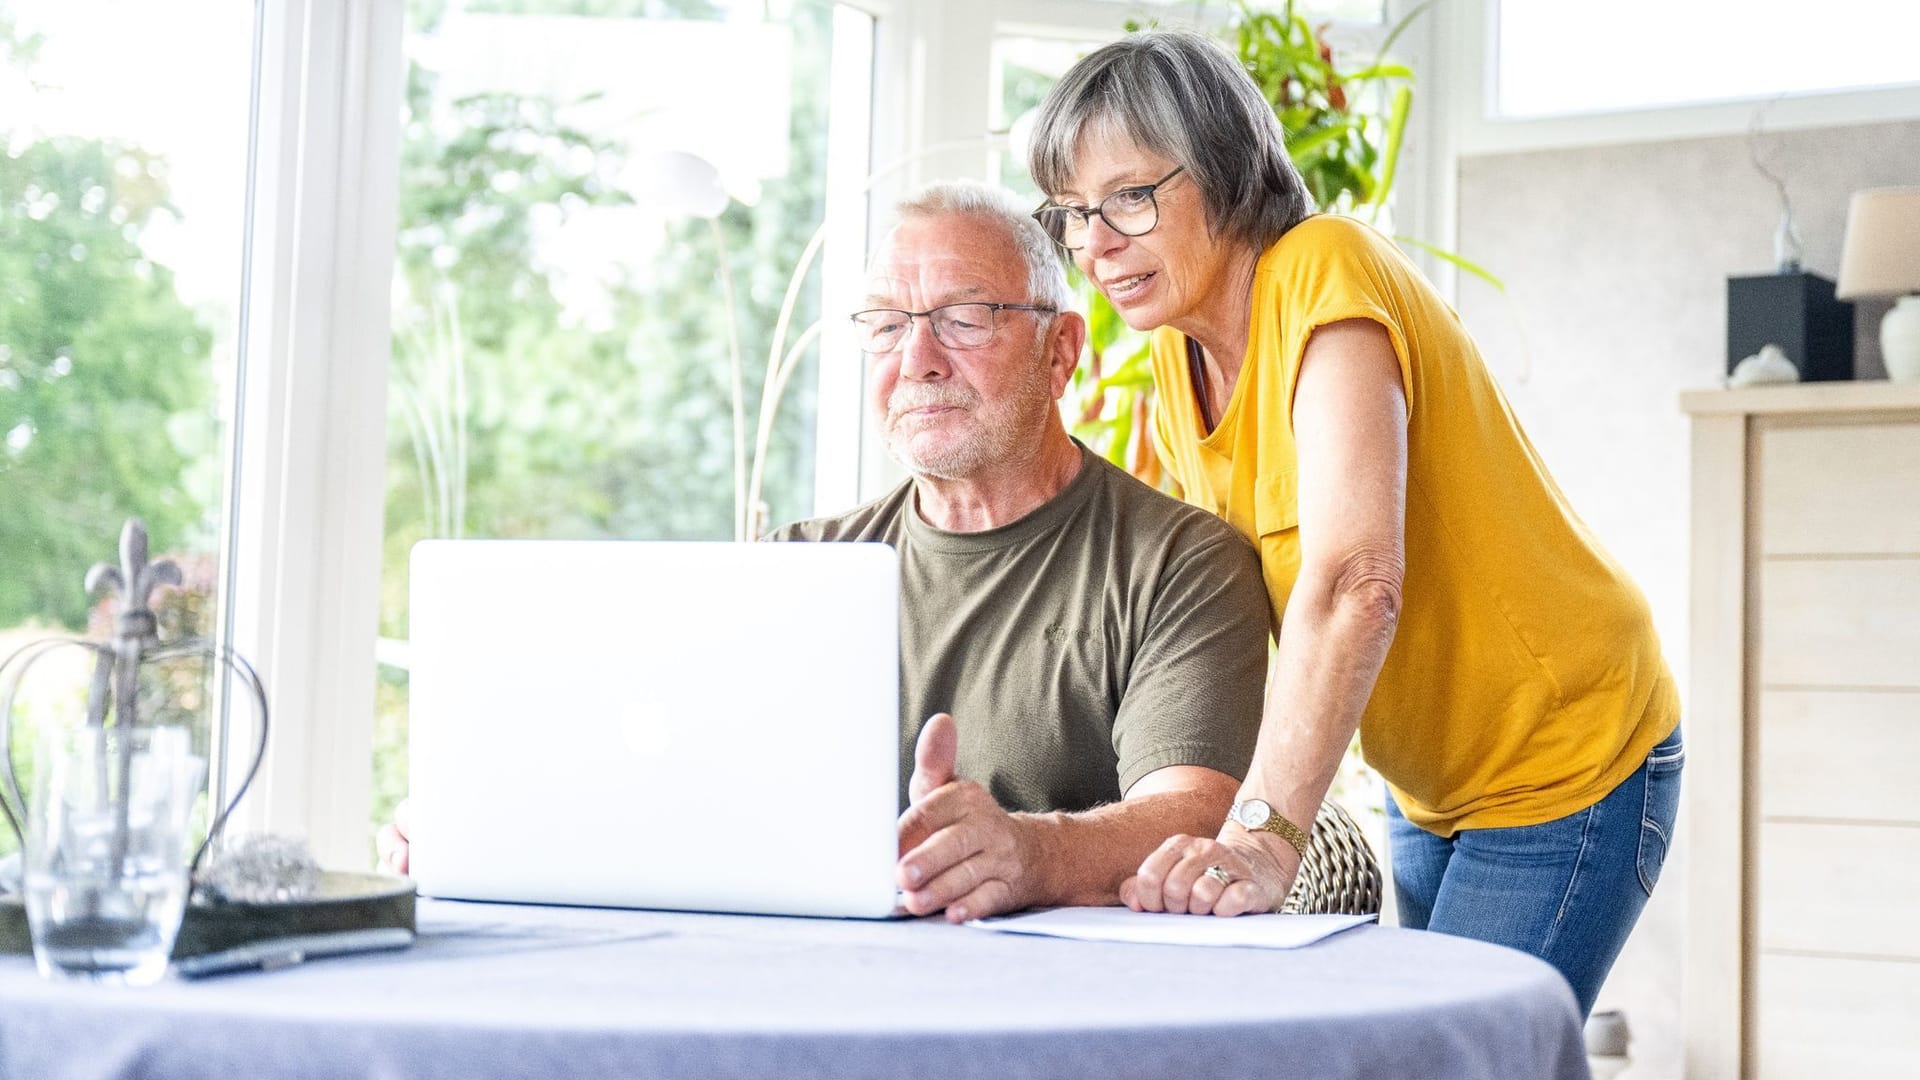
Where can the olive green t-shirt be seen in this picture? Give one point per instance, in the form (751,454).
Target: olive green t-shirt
(1112,632)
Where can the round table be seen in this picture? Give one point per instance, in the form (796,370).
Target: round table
(494,990)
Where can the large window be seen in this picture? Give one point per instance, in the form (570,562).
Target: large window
(601,201)
(1024,70)
(1560,59)
(594,200)
(122,195)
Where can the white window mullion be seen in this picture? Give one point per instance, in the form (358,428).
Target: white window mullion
(311,430)
(1441,45)
(850,151)
(930,121)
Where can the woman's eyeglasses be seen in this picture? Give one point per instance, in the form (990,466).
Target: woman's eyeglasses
(1130,212)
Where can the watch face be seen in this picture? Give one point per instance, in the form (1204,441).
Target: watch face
(1253,813)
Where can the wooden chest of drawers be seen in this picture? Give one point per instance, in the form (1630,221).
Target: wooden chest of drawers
(1802,814)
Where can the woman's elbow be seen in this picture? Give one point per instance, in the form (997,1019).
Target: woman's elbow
(1368,588)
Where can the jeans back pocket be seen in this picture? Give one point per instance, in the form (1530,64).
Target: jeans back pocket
(1660,808)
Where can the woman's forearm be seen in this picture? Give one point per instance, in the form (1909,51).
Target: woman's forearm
(1349,420)
(1339,622)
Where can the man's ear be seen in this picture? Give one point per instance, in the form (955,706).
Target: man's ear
(1067,338)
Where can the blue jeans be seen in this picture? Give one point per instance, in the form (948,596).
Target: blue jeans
(1568,890)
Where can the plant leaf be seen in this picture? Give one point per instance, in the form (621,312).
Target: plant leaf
(1397,111)
(1459,261)
(1379,71)
(1306,146)
(1122,431)
(1399,28)
(1103,322)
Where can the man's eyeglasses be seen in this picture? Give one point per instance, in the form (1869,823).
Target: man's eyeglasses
(1130,212)
(957,326)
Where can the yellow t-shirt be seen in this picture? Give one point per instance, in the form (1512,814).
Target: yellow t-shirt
(1525,681)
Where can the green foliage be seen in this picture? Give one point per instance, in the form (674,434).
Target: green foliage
(1344,128)
(1346,151)
(511,416)
(465,198)
(620,428)
(1110,400)
(15,47)
(100,361)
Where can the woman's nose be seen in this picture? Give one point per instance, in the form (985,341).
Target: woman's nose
(1102,239)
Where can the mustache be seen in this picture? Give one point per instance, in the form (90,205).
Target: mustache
(925,395)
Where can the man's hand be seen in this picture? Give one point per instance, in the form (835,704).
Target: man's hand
(958,849)
(391,840)
(1260,872)
(934,755)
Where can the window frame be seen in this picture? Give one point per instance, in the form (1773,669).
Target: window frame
(1452,49)
(306,486)
(1472,34)
(307,451)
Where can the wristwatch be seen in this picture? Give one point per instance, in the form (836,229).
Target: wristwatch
(1257,815)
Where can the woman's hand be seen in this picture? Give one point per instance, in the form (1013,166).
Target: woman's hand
(1259,872)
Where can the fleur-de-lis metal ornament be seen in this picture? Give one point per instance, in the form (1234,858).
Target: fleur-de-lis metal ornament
(135,629)
(113,693)
(259,887)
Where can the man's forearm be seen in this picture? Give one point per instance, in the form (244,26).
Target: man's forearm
(1081,858)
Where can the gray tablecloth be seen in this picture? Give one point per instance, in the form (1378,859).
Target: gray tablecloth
(503,991)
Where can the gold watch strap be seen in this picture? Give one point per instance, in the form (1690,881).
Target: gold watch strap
(1285,830)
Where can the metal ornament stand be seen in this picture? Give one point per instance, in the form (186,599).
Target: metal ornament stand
(116,680)
(215,921)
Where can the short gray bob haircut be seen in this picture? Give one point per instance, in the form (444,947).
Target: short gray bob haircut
(1182,96)
(1046,278)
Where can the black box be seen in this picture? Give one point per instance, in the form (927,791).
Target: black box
(1796,312)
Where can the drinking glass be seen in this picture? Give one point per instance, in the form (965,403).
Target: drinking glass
(106,855)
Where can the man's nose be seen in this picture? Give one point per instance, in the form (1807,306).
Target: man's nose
(922,356)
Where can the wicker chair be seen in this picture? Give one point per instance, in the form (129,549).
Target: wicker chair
(1339,874)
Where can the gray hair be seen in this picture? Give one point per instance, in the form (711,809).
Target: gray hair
(1046,277)
(1182,96)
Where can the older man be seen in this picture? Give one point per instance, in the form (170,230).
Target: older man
(1102,645)
(1092,636)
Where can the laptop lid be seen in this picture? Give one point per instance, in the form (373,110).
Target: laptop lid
(693,726)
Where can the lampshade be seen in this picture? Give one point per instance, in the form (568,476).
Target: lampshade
(1881,256)
(677,183)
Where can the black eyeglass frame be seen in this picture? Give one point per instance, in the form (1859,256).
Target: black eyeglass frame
(1087,213)
(992,328)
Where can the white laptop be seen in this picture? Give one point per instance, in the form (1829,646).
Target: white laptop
(691,726)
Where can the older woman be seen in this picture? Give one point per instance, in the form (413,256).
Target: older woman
(1429,581)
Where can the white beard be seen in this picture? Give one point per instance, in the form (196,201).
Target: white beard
(997,432)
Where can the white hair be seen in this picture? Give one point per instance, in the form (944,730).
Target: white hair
(1046,276)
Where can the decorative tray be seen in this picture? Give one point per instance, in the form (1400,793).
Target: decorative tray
(343,901)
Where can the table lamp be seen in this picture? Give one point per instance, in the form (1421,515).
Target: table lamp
(1881,257)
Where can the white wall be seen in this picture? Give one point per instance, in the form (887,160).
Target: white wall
(1615,260)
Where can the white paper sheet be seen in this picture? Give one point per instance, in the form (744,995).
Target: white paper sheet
(1148,928)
